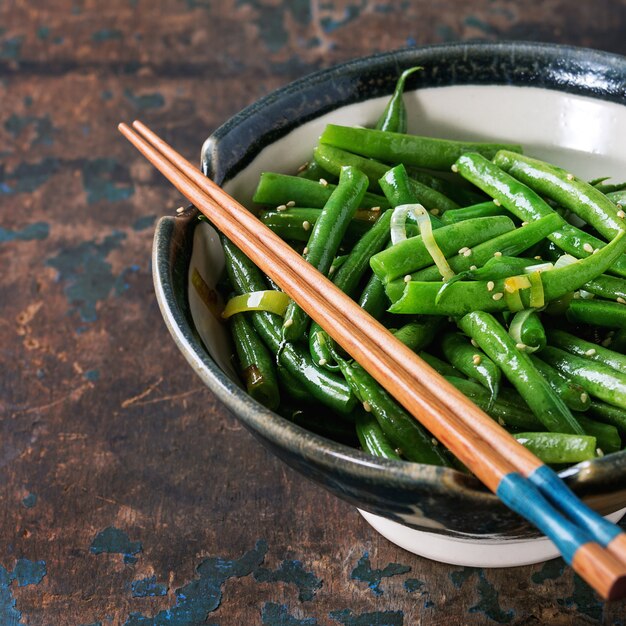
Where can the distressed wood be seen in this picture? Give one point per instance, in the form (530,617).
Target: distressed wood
(102,423)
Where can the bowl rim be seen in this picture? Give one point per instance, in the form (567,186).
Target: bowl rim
(325,452)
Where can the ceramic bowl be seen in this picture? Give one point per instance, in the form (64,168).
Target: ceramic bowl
(563,104)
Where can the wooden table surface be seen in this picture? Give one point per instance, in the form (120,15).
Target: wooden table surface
(129,494)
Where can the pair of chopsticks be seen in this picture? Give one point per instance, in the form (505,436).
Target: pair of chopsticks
(594,547)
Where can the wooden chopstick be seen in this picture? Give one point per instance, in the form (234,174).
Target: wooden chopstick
(479,442)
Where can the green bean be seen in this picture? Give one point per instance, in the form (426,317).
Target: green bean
(483,209)
(314,171)
(291,387)
(418,335)
(463,196)
(608,414)
(281,189)
(487,332)
(607,436)
(402,430)
(256,364)
(576,398)
(373,298)
(398,190)
(609,287)
(347,279)
(324,386)
(614,192)
(295,224)
(315,419)
(435,154)
(471,361)
(527,205)
(393,118)
(462,297)
(559,448)
(372,438)
(439,365)
(411,254)
(598,312)
(590,204)
(580,347)
(618,341)
(599,380)
(334,158)
(326,236)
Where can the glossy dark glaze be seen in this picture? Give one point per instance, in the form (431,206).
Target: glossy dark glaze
(452,502)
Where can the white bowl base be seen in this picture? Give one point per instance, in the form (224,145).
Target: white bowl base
(468,552)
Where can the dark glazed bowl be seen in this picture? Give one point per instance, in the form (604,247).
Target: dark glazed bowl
(438,500)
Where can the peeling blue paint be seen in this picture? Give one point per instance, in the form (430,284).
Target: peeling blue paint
(121,285)
(43,32)
(106,34)
(106,179)
(413,584)
(112,540)
(459,577)
(44,130)
(201,596)
(28,572)
(351,12)
(30,500)
(377,618)
(585,600)
(147,587)
(277,615)
(489,602)
(145,101)
(373,577)
(87,273)
(473,22)
(10,49)
(144,222)
(106,95)
(292,572)
(550,571)
(36,230)
(28,177)
(92,375)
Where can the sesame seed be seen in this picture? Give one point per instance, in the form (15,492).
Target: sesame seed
(454,168)
(331,270)
(281,207)
(590,352)
(524,223)
(468,252)
(497,254)
(287,323)
(490,285)
(599,451)
(306,225)
(367,407)
(291,203)
(596,250)
(501,422)
(521,346)
(473,267)
(323,182)
(538,258)
(434,211)
(588,247)
(476,359)
(180,209)
(322,362)
(584,396)
(621,300)
(376,209)
(303,167)
(621,214)
(434,442)
(306,250)
(576,295)
(497,202)
(463,250)
(473,342)
(497,296)
(407,278)
(607,342)
(570,177)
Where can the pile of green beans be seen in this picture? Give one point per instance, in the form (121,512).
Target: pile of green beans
(537,342)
